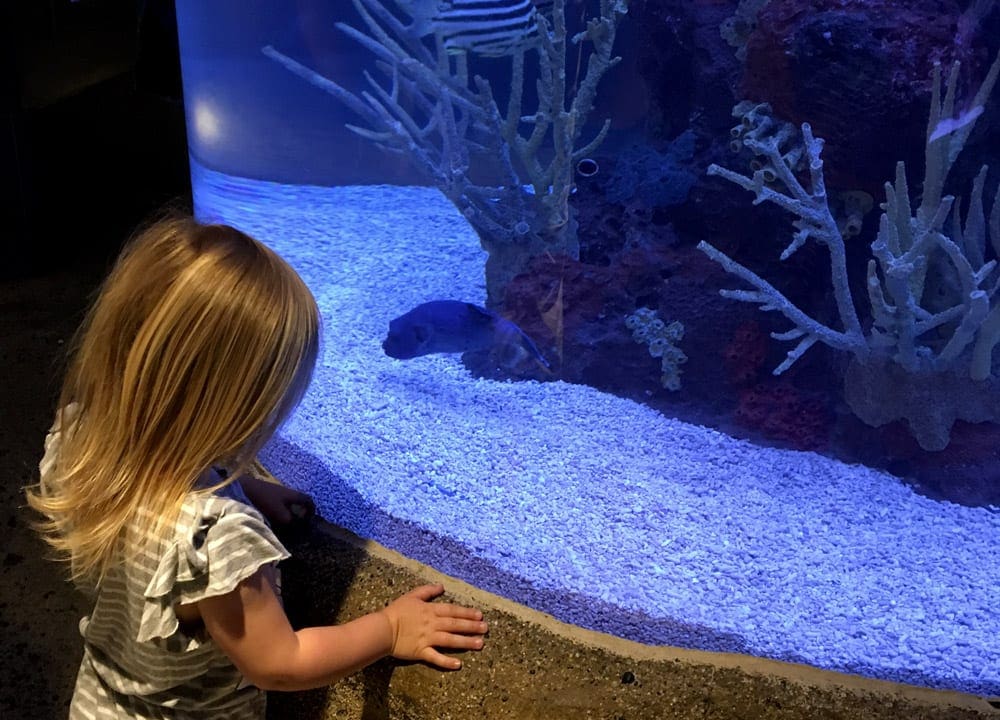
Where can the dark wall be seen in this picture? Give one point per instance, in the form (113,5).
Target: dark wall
(91,127)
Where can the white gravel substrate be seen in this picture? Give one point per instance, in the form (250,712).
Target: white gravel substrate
(586,495)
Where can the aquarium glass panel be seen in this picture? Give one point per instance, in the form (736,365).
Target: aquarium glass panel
(675,320)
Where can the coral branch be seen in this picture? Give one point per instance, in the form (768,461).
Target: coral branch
(424,107)
(929,270)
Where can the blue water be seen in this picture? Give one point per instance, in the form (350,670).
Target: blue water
(593,508)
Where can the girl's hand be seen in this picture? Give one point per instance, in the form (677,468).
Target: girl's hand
(280,505)
(419,626)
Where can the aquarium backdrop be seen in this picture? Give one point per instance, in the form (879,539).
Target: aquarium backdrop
(676,320)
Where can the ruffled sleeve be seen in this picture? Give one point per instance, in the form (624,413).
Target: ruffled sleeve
(219,543)
(65,419)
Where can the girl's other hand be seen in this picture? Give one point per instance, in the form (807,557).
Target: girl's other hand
(420,626)
(279,504)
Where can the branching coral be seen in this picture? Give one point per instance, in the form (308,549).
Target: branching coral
(932,292)
(425,104)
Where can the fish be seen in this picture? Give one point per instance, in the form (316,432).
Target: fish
(491,28)
(453,326)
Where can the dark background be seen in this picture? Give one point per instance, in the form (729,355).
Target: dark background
(91,142)
(93,126)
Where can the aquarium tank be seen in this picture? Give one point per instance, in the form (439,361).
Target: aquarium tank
(675,320)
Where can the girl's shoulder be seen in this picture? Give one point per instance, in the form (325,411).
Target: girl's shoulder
(216,531)
(224,511)
(217,542)
(203,504)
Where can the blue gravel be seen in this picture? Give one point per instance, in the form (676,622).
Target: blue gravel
(594,508)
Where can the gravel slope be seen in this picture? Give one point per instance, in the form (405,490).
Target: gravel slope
(591,507)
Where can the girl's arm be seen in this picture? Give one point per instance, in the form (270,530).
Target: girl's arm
(276,502)
(250,626)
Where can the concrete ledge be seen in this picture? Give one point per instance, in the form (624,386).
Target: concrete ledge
(534,666)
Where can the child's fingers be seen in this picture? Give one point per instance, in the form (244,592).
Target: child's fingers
(280,513)
(426,592)
(301,498)
(439,659)
(457,611)
(301,508)
(454,641)
(458,625)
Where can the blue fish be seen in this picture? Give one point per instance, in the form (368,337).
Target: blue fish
(452,326)
(492,28)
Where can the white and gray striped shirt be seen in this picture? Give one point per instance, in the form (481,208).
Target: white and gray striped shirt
(139,662)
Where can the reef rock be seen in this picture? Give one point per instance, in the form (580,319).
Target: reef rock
(858,71)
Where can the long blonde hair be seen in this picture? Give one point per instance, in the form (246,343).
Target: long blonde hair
(200,343)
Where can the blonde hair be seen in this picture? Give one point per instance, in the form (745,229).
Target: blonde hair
(201,341)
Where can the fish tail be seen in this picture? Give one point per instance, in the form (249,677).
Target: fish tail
(533,350)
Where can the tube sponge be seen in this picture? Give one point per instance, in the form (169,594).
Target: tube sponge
(662,339)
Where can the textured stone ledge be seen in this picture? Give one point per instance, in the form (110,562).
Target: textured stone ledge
(534,666)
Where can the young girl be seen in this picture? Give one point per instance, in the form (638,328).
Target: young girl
(200,343)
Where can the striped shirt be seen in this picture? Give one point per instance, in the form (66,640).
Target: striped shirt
(138,661)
